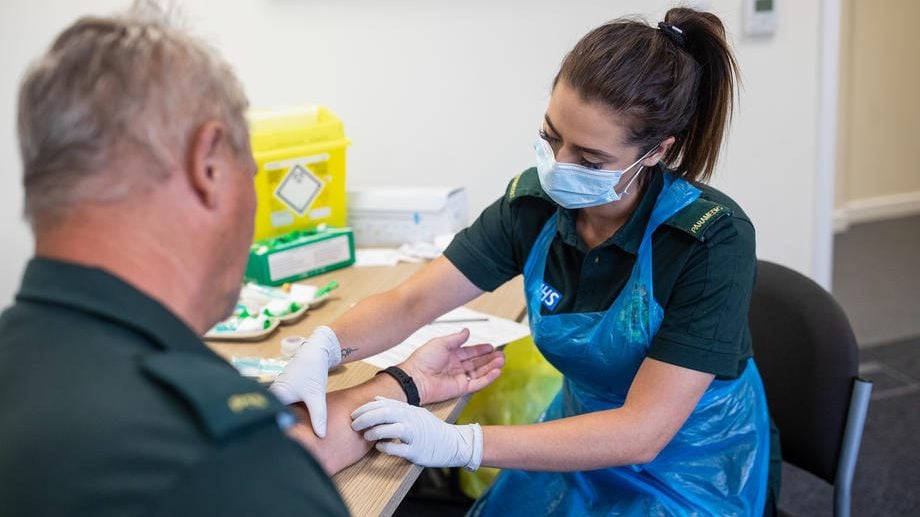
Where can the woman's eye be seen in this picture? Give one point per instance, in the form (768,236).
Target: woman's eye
(591,165)
(546,136)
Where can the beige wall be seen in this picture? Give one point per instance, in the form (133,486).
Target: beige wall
(880,117)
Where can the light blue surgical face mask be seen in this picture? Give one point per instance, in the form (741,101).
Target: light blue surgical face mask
(575,186)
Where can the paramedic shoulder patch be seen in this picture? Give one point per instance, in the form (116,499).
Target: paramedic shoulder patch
(222,400)
(526,184)
(698,217)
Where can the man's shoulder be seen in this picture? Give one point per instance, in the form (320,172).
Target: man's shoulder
(113,413)
(30,321)
(242,447)
(80,355)
(214,395)
(243,427)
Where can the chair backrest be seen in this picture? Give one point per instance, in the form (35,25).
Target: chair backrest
(808,358)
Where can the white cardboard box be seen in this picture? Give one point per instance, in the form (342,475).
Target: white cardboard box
(391,216)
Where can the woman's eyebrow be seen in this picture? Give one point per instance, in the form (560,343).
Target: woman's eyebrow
(596,152)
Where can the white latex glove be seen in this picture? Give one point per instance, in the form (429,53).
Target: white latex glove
(425,439)
(305,376)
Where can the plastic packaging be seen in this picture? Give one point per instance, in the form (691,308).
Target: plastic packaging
(261,309)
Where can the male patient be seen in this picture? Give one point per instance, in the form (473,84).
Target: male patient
(138,188)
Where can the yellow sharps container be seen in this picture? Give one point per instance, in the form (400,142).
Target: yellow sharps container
(300,152)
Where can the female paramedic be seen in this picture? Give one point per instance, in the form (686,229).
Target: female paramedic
(637,279)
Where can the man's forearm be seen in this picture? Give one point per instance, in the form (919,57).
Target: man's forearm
(342,446)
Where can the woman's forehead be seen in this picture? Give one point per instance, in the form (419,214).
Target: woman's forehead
(585,123)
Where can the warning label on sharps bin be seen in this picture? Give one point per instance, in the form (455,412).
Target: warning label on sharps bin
(298,189)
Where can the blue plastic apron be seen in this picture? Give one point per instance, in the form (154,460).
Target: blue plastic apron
(717,462)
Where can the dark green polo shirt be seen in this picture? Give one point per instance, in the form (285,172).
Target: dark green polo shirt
(110,405)
(703,267)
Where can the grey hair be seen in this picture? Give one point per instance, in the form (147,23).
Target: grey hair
(131,85)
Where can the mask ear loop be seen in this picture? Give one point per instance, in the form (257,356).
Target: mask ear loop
(636,175)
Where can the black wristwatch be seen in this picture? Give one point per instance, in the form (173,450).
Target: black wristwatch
(405,382)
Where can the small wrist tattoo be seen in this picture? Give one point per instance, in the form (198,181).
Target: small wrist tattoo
(348,351)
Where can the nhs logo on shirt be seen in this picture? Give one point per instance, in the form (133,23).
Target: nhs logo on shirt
(549,297)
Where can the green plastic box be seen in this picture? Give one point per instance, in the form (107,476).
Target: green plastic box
(300,254)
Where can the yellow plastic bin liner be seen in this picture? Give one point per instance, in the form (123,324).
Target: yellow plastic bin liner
(525,388)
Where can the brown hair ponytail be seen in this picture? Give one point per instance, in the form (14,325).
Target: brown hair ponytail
(677,80)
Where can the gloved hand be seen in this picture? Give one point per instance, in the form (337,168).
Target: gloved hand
(305,377)
(425,439)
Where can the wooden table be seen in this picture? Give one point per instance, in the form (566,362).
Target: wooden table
(376,484)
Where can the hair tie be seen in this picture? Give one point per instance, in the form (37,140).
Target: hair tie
(673,33)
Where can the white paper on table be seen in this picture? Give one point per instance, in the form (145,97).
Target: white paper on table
(366,257)
(484,328)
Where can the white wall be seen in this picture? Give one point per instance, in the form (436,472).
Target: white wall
(444,92)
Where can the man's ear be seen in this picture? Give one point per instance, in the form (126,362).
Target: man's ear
(204,164)
(659,152)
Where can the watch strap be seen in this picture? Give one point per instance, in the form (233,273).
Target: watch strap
(405,382)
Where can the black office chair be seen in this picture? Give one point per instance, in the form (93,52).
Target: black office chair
(807,356)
